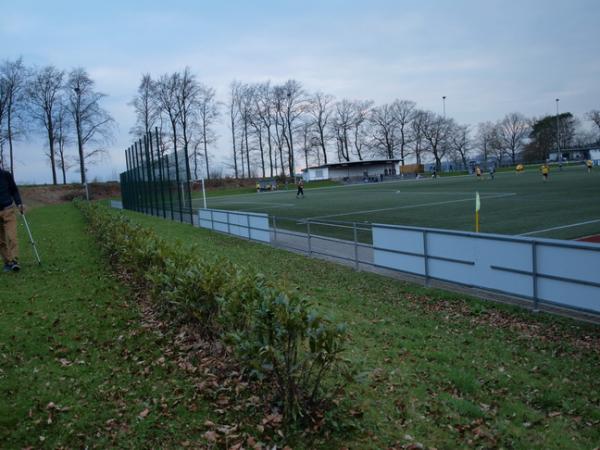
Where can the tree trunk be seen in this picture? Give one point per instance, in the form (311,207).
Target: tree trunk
(322,136)
(205,149)
(247,147)
(51,145)
(10,142)
(235,166)
(262,152)
(270,150)
(290,148)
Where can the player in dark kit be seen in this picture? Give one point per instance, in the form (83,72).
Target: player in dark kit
(300,189)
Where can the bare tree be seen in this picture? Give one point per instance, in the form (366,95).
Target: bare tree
(14,78)
(460,143)
(279,122)
(594,117)
(361,110)
(404,113)
(3,108)
(44,98)
(384,129)
(93,125)
(266,114)
(187,97)
(342,125)
(145,107)
(62,138)
(234,92)
(319,108)
(435,129)
(486,137)
(512,130)
(246,101)
(293,108)
(208,112)
(416,134)
(167,92)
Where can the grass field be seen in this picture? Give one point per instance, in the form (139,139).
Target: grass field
(431,367)
(565,207)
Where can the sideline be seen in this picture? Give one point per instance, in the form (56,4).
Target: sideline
(560,228)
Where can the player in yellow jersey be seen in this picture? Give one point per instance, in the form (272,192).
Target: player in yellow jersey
(589,163)
(545,171)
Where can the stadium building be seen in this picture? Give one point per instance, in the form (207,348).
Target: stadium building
(577,154)
(359,170)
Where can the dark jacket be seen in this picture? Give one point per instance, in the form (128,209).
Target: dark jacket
(8,190)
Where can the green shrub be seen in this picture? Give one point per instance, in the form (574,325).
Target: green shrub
(276,335)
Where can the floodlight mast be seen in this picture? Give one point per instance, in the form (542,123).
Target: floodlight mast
(444,105)
(557,130)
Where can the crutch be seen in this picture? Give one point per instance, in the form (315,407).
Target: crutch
(37,255)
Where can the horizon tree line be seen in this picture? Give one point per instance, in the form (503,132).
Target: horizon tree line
(274,127)
(64,107)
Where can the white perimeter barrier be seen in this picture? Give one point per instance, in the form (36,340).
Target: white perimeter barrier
(116,204)
(557,272)
(248,225)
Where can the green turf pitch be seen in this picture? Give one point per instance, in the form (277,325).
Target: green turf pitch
(510,204)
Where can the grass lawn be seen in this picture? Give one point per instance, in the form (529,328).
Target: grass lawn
(434,367)
(71,336)
(510,204)
(79,368)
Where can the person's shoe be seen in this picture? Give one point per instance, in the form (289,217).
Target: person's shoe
(14,266)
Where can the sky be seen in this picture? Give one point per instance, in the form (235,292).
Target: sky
(488,57)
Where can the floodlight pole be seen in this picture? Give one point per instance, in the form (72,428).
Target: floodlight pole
(444,105)
(557,131)
(203,193)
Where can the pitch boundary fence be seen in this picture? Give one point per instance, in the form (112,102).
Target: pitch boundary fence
(540,273)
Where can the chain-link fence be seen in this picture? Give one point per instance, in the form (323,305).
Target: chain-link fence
(157,183)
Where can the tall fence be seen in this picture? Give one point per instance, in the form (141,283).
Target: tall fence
(157,182)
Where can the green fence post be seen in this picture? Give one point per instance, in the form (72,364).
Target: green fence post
(160,171)
(169,184)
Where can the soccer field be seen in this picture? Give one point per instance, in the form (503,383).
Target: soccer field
(567,206)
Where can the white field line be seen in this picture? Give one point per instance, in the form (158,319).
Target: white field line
(561,227)
(269,204)
(420,205)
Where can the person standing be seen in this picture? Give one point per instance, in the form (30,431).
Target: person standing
(589,163)
(545,171)
(9,197)
(300,189)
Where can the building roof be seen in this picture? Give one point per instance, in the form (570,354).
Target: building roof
(368,162)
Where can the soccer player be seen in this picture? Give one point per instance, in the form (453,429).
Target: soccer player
(545,171)
(300,189)
(589,163)
(478,172)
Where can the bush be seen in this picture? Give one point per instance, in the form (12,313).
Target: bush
(275,334)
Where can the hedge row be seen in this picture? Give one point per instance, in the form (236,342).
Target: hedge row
(275,334)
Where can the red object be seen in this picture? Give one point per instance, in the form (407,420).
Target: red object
(592,238)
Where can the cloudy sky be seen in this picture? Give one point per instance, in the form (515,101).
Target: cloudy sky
(488,57)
